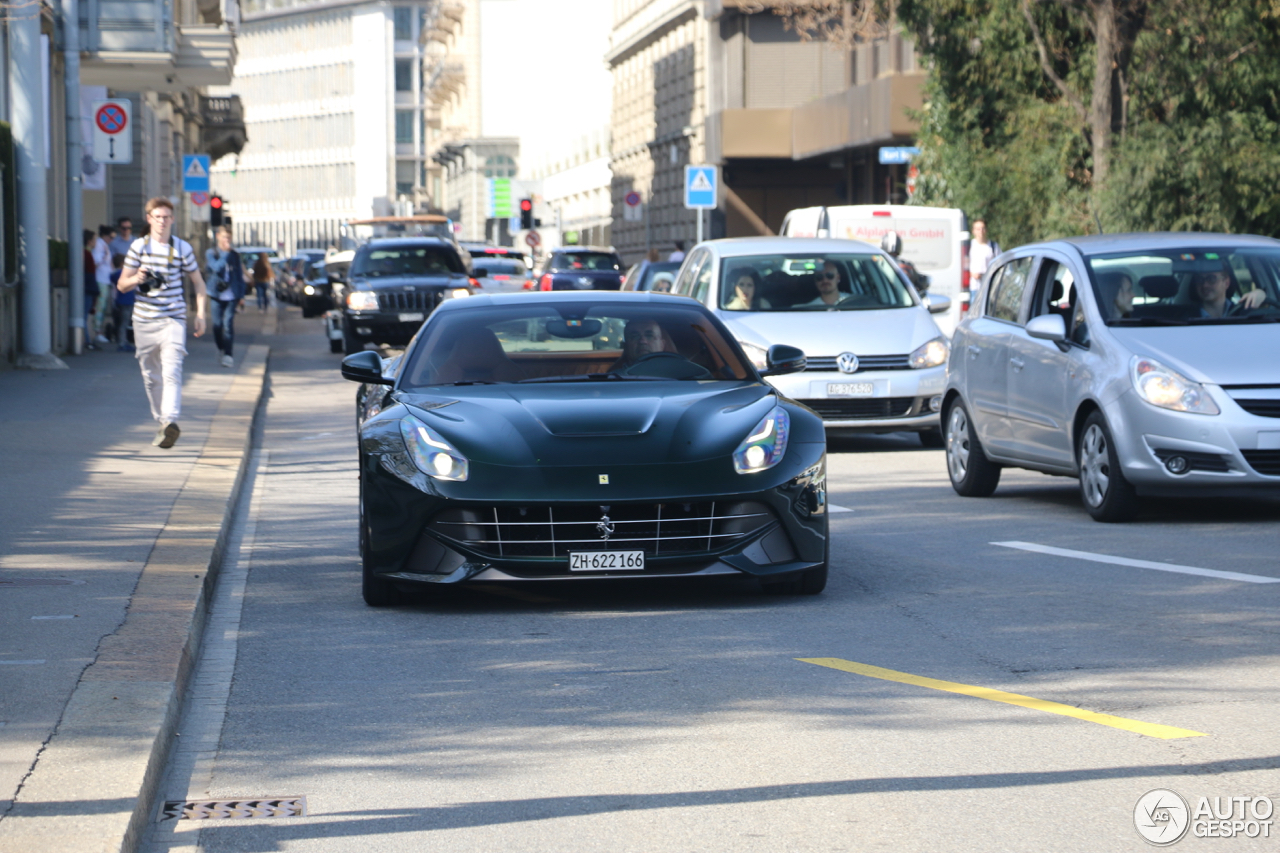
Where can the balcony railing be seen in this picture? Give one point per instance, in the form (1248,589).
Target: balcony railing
(134,44)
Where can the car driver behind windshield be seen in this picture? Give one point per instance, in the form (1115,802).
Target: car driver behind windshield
(1210,290)
(641,337)
(828,284)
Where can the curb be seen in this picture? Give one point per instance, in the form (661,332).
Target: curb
(94,784)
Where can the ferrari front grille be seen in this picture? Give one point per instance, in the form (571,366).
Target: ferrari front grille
(658,529)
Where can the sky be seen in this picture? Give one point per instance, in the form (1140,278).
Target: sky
(542,72)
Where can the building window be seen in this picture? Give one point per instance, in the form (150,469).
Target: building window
(500,166)
(404,126)
(404,75)
(402,16)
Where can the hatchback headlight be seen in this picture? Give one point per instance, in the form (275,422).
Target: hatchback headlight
(434,456)
(757,354)
(930,354)
(766,445)
(362,300)
(1167,388)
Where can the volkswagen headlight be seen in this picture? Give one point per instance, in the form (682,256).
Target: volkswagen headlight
(434,456)
(362,300)
(766,445)
(758,355)
(1167,388)
(930,354)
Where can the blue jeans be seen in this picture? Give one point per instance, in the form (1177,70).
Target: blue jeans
(261,288)
(222,316)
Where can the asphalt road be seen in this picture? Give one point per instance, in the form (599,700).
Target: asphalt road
(679,717)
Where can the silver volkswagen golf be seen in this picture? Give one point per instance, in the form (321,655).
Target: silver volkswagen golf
(1138,363)
(876,359)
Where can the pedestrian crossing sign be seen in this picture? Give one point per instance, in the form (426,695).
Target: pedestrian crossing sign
(700,187)
(195,173)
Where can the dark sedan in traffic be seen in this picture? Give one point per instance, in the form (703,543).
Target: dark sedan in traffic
(584,435)
(581,268)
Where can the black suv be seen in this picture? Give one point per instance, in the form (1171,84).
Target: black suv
(394,284)
(581,268)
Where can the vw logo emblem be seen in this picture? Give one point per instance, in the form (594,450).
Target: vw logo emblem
(605,527)
(847,362)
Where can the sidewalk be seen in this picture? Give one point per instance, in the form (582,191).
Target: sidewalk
(97,533)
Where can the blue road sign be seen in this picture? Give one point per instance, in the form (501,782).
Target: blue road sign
(701,187)
(195,173)
(897,155)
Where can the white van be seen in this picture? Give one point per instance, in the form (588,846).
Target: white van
(935,239)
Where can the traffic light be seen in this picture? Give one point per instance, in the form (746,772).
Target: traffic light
(526,213)
(215,211)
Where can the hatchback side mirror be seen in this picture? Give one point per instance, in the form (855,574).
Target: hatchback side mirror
(783,359)
(364,367)
(1048,327)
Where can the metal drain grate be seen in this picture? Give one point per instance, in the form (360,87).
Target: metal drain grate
(4,582)
(227,809)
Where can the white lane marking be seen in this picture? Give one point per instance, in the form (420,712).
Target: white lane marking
(1137,564)
(835,508)
(39,618)
(20,662)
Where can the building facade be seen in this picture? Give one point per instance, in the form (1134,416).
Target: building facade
(333,107)
(790,123)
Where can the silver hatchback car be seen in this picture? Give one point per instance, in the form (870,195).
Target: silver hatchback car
(1138,363)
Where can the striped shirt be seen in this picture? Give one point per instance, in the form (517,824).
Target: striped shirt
(169,260)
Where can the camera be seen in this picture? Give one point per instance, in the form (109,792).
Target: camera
(151,280)
(221,286)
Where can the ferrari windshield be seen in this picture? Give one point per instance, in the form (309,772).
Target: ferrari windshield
(1181,287)
(843,282)
(547,341)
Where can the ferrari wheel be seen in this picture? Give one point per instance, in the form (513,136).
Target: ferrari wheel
(377,590)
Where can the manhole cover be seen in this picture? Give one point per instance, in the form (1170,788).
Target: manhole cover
(228,809)
(6,582)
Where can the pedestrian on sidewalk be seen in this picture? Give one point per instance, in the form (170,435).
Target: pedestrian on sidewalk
(982,251)
(124,306)
(90,285)
(226,291)
(124,236)
(263,276)
(678,254)
(154,268)
(102,275)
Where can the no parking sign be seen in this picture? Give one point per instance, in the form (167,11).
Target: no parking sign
(113,131)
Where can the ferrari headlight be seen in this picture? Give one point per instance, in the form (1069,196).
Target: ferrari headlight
(362,300)
(930,354)
(434,456)
(1167,388)
(758,355)
(766,445)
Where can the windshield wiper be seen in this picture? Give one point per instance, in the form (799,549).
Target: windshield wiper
(467,382)
(586,377)
(1147,321)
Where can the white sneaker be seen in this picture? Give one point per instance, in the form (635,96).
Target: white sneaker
(228,361)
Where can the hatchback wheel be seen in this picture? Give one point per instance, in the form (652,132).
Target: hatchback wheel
(1107,495)
(972,473)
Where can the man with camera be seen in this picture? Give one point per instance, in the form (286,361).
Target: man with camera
(154,266)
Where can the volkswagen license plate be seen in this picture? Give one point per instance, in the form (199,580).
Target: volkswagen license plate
(850,389)
(413,317)
(606,561)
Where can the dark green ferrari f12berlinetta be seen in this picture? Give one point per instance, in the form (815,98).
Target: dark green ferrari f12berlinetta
(592,435)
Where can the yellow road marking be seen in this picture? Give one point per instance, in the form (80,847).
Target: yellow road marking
(1148,729)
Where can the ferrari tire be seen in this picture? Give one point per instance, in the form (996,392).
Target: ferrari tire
(932,438)
(350,343)
(972,474)
(1106,494)
(376,590)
